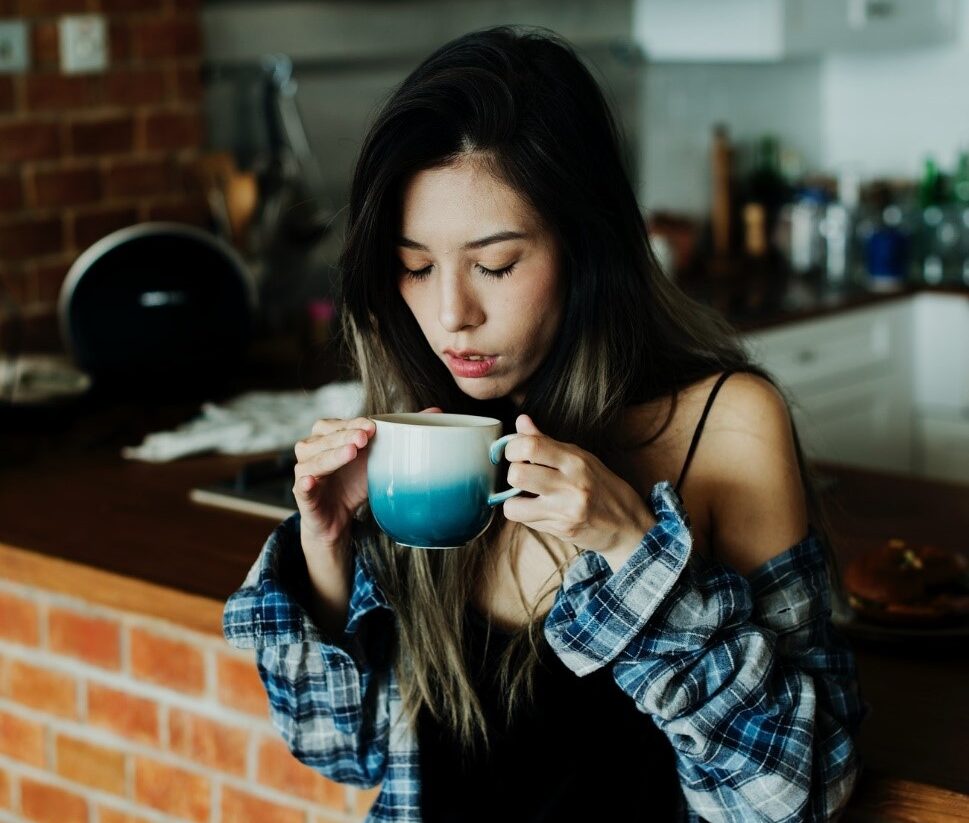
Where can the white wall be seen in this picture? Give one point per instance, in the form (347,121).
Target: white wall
(682,101)
(884,113)
(879,113)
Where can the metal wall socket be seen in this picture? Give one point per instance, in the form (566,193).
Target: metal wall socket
(84,43)
(14,47)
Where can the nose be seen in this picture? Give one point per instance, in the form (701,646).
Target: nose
(459,306)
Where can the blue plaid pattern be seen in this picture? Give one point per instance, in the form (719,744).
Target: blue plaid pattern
(746,676)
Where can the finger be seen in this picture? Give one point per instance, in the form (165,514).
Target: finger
(327,462)
(305,449)
(306,492)
(304,486)
(534,478)
(332,424)
(528,510)
(432,409)
(535,448)
(526,425)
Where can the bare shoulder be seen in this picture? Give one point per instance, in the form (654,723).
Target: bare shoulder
(742,490)
(757,500)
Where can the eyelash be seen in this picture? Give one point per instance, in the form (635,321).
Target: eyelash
(420,274)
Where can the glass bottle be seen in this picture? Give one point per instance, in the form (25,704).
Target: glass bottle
(887,252)
(938,236)
(960,197)
(766,184)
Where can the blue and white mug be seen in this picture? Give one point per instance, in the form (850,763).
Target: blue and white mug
(431,477)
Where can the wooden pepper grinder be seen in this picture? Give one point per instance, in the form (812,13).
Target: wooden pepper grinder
(721,216)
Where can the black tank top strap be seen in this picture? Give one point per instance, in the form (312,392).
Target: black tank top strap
(699,427)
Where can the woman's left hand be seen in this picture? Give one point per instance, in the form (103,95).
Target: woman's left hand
(579,500)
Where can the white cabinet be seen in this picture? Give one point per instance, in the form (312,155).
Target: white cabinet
(941,444)
(882,387)
(941,325)
(742,30)
(941,425)
(848,379)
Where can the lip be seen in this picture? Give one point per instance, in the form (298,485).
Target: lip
(468,353)
(470,368)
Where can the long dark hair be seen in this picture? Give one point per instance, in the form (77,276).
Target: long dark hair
(521,100)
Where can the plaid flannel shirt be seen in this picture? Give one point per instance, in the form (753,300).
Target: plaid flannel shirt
(746,676)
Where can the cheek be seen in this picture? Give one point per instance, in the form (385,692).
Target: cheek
(535,312)
(412,296)
(541,295)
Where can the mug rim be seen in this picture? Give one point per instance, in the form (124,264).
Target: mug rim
(467,421)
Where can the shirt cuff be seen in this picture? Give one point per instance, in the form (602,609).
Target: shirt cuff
(266,610)
(597,612)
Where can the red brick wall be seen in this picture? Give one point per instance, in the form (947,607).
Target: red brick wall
(111,717)
(83,155)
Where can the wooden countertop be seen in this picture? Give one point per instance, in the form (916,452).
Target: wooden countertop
(77,517)
(752,302)
(87,504)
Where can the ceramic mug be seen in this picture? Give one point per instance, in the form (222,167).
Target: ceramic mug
(431,477)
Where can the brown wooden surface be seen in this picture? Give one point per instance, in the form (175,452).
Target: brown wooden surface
(131,518)
(879,798)
(919,724)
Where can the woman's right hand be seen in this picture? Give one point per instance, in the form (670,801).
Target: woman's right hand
(331,484)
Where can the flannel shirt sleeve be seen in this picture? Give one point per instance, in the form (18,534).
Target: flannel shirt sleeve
(746,676)
(328,698)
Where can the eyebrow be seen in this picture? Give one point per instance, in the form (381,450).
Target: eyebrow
(498,237)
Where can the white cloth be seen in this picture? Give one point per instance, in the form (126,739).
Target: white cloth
(256,421)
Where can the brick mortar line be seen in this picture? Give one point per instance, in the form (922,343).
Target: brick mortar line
(35,308)
(258,790)
(43,627)
(165,727)
(94,161)
(51,259)
(21,115)
(120,804)
(210,675)
(52,598)
(82,700)
(15,795)
(252,756)
(125,650)
(210,710)
(129,777)
(69,214)
(50,748)
(55,724)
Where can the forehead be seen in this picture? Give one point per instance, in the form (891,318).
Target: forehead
(460,197)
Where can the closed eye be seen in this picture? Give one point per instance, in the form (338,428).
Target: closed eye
(497,272)
(417,274)
(420,274)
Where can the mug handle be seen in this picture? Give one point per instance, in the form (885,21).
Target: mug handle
(495,451)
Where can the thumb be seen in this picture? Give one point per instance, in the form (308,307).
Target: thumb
(526,425)
(432,409)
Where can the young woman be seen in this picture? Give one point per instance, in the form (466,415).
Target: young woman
(614,646)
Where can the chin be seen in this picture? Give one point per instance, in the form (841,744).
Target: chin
(480,390)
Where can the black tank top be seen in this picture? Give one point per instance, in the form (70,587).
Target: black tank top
(580,751)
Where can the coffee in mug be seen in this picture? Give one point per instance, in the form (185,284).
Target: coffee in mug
(431,477)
